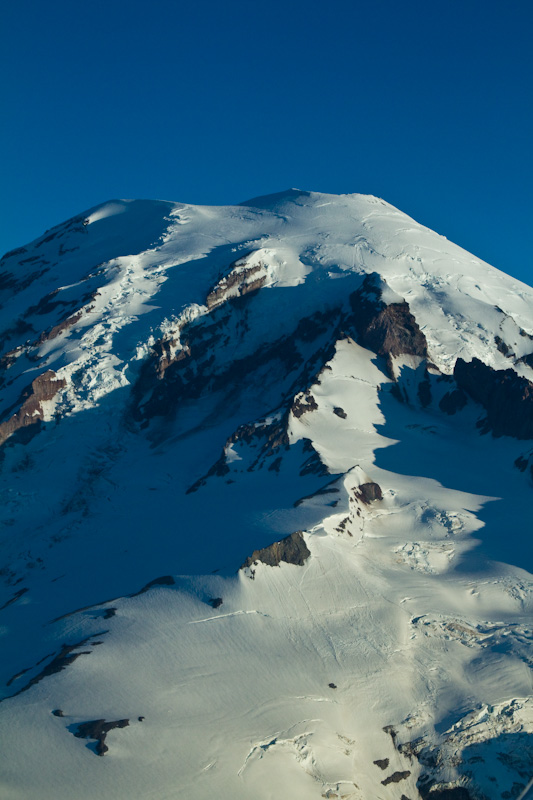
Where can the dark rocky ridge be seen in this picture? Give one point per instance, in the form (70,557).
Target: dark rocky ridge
(61,660)
(58,329)
(162,356)
(14,599)
(264,441)
(506,397)
(193,372)
(313,465)
(265,438)
(388,330)
(166,382)
(292,549)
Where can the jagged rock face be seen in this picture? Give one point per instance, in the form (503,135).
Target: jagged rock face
(30,415)
(192,373)
(292,549)
(389,330)
(506,397)
(369,492)
(394,331)
(240,281)
(302,404)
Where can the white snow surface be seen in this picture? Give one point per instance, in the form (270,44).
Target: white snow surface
(406,635)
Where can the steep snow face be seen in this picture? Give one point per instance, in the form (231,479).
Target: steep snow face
(275,460)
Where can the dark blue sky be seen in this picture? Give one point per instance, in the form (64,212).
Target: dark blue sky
(427,104)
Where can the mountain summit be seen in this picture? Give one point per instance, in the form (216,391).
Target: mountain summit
(266,477)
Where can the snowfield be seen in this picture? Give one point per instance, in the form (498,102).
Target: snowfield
(183,387)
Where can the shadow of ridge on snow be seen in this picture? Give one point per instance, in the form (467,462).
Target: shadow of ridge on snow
(451,451)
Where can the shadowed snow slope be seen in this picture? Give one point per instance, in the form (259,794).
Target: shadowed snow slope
(314,387)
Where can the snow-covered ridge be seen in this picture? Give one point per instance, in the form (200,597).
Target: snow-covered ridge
(460,303)
(316,389)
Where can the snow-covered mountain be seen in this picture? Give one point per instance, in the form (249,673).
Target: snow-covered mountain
(266,486)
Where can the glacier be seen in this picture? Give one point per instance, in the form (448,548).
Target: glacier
(266,475)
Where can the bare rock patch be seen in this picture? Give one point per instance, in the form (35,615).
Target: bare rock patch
(292,549)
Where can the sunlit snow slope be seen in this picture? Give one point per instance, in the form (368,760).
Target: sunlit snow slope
(266,479)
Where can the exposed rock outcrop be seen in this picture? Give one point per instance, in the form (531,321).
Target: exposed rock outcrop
(59,662)
(58,329)
(303,403)
(172,376)
(368,492)
(396,777)
(263,438)
(166,381)
(388,330)
(271,435)
(506,397)
(241,280)
(53,300)
(313,465)
(31,414)
(292,549)
(98,729)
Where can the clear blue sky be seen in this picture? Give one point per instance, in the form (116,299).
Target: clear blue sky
(427,104)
